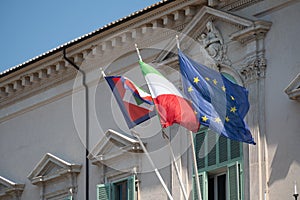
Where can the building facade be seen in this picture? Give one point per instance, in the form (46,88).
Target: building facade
(63,135)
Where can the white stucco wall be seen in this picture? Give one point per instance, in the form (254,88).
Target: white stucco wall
(26,138)
(54,120)
(282,114)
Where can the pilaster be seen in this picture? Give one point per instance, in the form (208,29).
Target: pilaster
(253,73)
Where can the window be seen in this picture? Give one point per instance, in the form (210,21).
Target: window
(118,190)
(217,187)
(219,165)
(224,186)
(214,151)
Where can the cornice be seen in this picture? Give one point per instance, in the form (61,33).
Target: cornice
(231,5)
(53,70)
(293,89)
(10,188)
(246,28)
(125,144)
(38,77)
(256,31)
(50,168)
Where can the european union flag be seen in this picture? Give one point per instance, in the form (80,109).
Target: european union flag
(219,103)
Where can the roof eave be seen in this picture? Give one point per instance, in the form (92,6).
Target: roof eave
(85,37)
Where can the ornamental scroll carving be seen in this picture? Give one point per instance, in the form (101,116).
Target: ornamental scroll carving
(254,69)
(213,43)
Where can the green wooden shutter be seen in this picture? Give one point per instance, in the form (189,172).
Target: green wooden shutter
(203,186)
(200,150)
(234,181)
(131,188)
(223,149)
(195,195)
(103,192)
(235,147)
(211,148)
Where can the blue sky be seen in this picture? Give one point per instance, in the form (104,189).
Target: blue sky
(29,28)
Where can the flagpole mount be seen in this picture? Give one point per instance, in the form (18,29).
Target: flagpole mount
(296,196)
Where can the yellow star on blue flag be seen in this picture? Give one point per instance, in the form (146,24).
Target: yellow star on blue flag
(220,100)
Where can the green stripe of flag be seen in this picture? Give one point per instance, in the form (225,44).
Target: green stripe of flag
(147,69)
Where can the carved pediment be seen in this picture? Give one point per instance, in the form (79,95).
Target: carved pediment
(293,89)
(8,188)
(114,144)
(245,29)
(51,167)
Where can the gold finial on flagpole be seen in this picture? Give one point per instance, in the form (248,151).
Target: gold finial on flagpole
(138,52)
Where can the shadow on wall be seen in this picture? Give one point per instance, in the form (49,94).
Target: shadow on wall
(287,140)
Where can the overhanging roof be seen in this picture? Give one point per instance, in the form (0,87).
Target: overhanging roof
(86,36)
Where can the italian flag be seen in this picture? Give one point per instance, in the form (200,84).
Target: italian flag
(170,104)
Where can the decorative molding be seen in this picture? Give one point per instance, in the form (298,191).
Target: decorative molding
(231,5)
(197,26)
(50,172)
(181,17)
(256,31)
(43,74)
(10,189)
(113,145)
(212,41)
(51,167)
(37,79)
(254,69)
(112,175)
(293,89)
(254,62)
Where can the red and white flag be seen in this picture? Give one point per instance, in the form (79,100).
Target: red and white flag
(172,107)
(136,105)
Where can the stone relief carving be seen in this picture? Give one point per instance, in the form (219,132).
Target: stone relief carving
(213,43)
(254,68)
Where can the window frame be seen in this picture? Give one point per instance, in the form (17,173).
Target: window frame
(110,188)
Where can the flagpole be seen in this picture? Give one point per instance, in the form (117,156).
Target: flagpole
(145,150)
(176,168)
(138,52)
(177,42)
(193,149)
(195,165)
(148,156)
(103,73)
(135,134)
(170,147)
